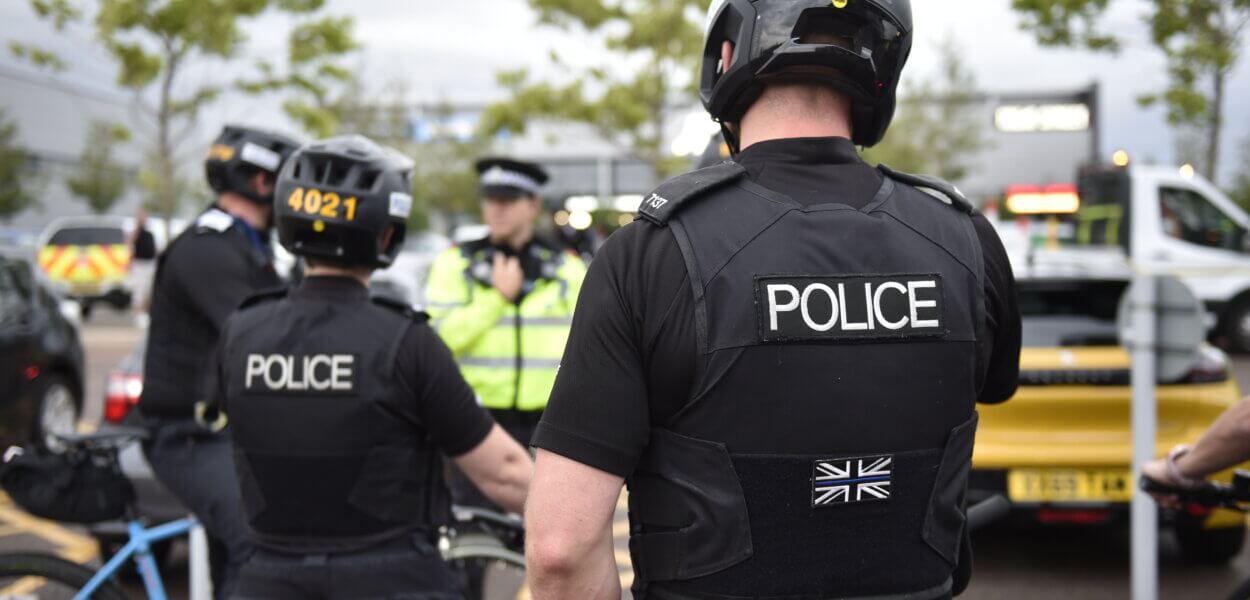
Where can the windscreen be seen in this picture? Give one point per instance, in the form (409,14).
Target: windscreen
(87,236)
(1070,312)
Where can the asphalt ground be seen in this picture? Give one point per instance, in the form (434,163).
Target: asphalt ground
(1013,561)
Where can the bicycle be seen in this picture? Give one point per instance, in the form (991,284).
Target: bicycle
(1212,494)
(48,577)
(480,541)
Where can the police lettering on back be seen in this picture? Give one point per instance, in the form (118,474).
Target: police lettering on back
(800,308)
(288,373)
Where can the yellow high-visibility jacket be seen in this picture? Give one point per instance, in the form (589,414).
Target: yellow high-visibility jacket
(508,353)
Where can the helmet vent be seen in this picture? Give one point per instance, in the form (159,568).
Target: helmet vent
(368,179)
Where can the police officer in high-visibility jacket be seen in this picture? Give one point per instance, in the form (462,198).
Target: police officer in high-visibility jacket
(503,304)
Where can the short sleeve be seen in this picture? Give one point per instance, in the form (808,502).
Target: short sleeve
(444,402)
(1000,350)
(598,413)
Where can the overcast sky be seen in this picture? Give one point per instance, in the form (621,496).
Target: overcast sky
(451,50)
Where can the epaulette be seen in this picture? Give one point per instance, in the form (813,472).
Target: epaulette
(213,220)
(938,188)
(402,308)
(263,296)
(667,199)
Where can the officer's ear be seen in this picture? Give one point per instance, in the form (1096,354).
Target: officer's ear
(262,184)
(726,55)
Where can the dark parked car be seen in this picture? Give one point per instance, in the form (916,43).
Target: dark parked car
(41,359)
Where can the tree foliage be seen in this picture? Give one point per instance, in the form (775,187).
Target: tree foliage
(320,88)
(1240,190)
(1201,40)
(15,194)
(100,181)
(936,114)
(153,42)
(660,39)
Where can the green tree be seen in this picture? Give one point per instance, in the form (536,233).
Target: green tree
(1240,190)
(1201,40)
(321,90)
(100,181)
(152,43)
(662,39)
(936,114)
(15,194)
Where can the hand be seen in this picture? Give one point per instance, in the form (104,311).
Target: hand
(1158,470)
(507,276)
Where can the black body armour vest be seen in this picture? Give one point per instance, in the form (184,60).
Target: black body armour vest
(180,338)
(865,318)
(327,457)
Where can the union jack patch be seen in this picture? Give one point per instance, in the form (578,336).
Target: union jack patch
(851,480)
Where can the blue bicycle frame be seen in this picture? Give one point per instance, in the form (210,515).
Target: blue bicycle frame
(139,549)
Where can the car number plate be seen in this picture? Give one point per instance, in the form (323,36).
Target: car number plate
(1069,485)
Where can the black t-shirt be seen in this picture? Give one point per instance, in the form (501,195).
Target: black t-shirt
(631,356)
(441,399)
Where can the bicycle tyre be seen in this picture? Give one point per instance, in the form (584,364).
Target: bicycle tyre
(69,574)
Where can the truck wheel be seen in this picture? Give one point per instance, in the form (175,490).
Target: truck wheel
(1237,327)
(1208,546)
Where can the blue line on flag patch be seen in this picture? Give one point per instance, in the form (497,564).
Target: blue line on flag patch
(851,480)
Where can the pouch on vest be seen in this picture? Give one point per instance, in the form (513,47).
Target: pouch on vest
(695,519)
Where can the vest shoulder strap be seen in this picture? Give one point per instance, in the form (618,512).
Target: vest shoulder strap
(679,191)
(268,295)
(933,186)
(401,308)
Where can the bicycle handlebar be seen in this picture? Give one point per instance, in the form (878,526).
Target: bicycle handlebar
(488,517)
(1212,494)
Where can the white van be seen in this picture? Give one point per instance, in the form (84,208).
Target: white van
(1174,221)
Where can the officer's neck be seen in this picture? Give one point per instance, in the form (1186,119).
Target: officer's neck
(795,111)
(516,242)
(360,274)
(250,212)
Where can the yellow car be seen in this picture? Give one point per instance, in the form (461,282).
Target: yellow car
(87,259)
(1061,448)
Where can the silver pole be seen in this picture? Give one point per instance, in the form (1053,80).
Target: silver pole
(201,582)
(1145,526)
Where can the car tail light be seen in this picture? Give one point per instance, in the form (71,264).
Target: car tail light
(1052,516)
(123,394)
(1212,366)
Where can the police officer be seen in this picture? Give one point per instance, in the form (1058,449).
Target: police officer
(340,405)
(204,274)
(781,357)
(504,303)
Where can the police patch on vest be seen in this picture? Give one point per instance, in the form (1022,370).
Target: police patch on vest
(848,308)
(851,480)
(309,373)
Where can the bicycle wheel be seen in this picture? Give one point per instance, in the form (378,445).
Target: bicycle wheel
(485,567)
(43,577)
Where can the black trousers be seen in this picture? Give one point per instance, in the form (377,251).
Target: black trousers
(198,467)
(408,569)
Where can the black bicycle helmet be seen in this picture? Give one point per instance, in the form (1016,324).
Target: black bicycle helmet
(239,153)
(864,43)
(336,197)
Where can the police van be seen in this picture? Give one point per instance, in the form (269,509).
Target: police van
(1172,220)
